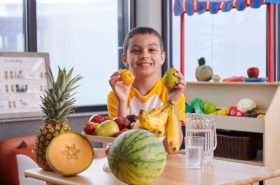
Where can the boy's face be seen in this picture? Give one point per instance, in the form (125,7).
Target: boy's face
(144,55)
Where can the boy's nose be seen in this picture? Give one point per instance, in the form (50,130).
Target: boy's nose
(145,55)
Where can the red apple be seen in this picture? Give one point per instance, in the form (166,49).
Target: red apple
(96,118)
(122,122)
(90,128)
(132,118)
(253,72)
(106,118)
(120,132)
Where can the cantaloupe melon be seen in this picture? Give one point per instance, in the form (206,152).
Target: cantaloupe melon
(69,153)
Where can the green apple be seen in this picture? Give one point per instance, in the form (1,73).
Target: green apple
(107,128)
(209,108)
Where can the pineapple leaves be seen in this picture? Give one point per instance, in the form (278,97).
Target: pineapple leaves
(58,102)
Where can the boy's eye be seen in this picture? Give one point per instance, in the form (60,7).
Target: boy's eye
(135,50)
(153,50)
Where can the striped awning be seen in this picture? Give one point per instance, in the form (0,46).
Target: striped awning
(213,6)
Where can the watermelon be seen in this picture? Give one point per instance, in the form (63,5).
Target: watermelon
(137,157)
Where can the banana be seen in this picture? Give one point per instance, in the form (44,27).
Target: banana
(157,110)
(162,121)
(144,120)
(161,132)
(154,121)
(172,131)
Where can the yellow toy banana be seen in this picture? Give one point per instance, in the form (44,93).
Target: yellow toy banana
(172,131)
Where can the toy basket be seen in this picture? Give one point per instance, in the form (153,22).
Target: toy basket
(236,145)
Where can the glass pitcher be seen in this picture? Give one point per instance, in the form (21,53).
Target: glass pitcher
(203,125)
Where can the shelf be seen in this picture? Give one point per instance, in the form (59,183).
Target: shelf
(267,98)
(239,123)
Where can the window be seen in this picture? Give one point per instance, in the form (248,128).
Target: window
(230,42)
(82,34)
(11,25)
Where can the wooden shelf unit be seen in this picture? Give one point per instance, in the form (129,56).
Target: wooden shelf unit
(267,98)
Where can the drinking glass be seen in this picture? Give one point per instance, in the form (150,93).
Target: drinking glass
(194,146)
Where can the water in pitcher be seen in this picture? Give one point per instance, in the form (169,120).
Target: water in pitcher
(201,125)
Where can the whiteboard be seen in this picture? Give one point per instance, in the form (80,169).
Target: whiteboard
(23,79)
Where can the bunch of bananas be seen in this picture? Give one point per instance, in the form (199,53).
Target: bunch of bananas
(162,122)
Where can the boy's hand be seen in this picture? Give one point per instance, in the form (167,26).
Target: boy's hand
(173,94)
(120,89)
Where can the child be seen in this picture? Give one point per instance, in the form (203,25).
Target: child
(143,54)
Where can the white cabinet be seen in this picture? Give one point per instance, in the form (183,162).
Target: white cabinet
(267,97)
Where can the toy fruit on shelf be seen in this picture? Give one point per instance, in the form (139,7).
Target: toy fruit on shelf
(221,112)
(246,105)
(188,108)
(216,78)
(253,72)
(234,79)
(198,105)
(203,72)
(261,116)
(233,111)
(252,115)
(209,108)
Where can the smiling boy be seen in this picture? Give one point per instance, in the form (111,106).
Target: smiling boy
(144,55)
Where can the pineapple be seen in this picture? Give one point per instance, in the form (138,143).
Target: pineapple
(57,104)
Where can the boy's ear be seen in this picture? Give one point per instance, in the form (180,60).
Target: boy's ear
(124,60)
(162,57)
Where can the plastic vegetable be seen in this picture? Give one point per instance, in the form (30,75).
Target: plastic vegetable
(203,72)
(222,112)
(261,116)
(188,108)
(232,111)
(198,105)
(246,105)
(240,113)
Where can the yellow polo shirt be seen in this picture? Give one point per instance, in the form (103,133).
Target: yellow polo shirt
(155,98)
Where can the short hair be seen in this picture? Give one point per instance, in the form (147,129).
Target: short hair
(141,30)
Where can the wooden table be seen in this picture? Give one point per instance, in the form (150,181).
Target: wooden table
(175,173)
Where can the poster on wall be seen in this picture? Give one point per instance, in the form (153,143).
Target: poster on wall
(23,79)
